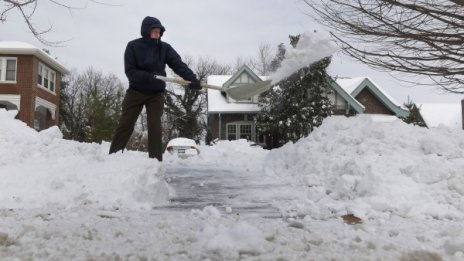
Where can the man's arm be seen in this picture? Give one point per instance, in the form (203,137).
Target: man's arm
(130,67)
(175,62)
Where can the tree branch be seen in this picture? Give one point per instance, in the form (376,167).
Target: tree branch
(412,36)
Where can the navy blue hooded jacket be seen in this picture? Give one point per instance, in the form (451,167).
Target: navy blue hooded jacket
(145,57)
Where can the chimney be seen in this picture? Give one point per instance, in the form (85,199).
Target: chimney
(462,114)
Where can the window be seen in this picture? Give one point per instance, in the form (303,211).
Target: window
(8,69)
(52,81)
(237,131)
(245,131)
(231,132)
(244,78)
(46,78)
(40,76)
(45,83)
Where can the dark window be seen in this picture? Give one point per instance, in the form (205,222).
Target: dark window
(231,132)
(245,131)
(40,77)
(10,70)
(52,81)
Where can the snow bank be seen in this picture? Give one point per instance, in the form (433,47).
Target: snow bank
(40,169)
(371,169)
(348,165)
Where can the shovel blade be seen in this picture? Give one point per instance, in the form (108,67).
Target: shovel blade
(246,91)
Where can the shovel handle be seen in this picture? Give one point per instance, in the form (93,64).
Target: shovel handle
(185,83)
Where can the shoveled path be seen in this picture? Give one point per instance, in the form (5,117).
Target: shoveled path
(233,192)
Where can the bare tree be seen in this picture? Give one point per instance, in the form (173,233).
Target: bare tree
(239,62)
(262,63)
(186,109)
(90,106)
(206,66)
(27,9)
(419,37)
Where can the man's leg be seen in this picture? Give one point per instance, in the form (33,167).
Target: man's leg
(132,105)
(155,106)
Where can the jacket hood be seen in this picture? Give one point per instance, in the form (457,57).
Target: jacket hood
(149,23)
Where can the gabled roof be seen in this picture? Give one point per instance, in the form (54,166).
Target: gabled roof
(12,47)
(350,84)
(447,114)
(346,88)
(357,106)
(354,86)
(217,102)
(242,70)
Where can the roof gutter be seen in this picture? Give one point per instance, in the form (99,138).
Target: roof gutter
(39,54)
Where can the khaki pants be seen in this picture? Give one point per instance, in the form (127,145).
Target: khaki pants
(132,105)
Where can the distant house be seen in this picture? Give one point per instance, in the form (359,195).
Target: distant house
(447,114)
(231,120)
(372,97)
(30,82)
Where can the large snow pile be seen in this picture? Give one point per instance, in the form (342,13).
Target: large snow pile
(67,200)
(40,169)
(371,169)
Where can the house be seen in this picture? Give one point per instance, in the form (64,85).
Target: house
(447,114)
(231,120)
(30,82)
(372,97)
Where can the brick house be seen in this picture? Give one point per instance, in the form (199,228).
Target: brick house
(231,120)
(30,82)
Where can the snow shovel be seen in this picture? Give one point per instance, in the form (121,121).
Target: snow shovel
(239,92)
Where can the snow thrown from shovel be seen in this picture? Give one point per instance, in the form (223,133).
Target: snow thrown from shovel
(311,48)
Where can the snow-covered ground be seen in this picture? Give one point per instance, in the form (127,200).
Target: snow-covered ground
(64,200)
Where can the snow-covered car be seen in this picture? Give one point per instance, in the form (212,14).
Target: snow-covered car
(183,147)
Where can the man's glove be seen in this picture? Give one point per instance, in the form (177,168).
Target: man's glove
(195,84)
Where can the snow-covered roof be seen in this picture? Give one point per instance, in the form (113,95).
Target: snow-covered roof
(14,47)
(447,114)
(356,105)
(350,84)
(351,87)
(355,85)
(217,103)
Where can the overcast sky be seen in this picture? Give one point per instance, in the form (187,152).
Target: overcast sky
(221,30)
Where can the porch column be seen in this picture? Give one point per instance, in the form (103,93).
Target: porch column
(220,127)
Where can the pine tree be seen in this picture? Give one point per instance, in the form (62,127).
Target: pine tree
(297,105)
(103,115)
(275,63)
(414,116)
